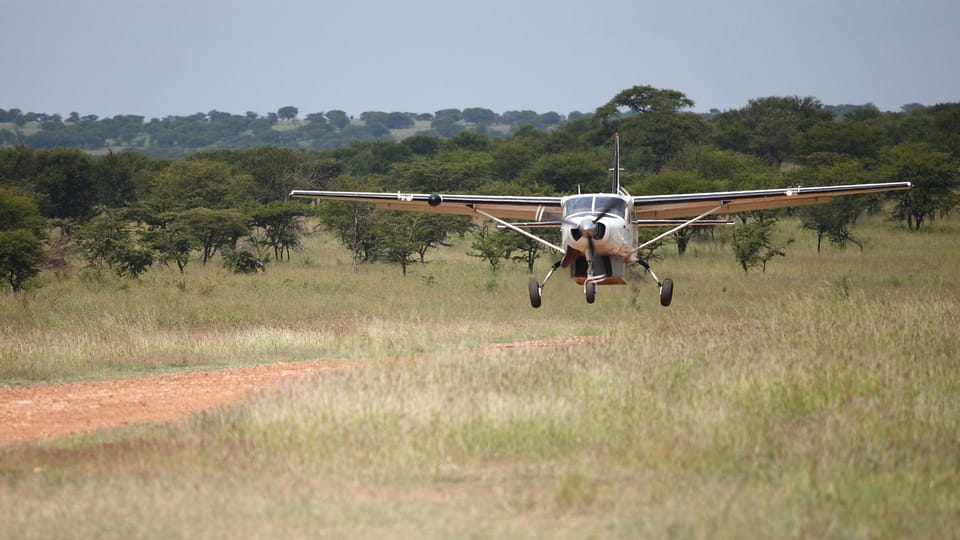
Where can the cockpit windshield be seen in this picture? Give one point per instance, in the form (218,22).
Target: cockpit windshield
(611,205)
(595,204)
(578,205)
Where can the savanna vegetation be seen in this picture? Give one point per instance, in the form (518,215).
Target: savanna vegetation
(816,399)
(128,212)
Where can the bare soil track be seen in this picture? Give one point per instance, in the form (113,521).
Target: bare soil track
(32,413)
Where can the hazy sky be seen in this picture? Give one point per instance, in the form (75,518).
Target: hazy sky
(178,57)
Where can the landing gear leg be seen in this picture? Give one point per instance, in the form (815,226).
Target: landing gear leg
(536,289)
(666,286)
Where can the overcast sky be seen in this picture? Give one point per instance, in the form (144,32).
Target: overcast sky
(178,57)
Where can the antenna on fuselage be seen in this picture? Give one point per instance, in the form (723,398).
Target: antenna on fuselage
(616,164)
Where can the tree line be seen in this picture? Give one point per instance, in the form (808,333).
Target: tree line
(175,136)
(129,211)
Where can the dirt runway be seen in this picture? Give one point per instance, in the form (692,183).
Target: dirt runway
(46,411)
(31,413)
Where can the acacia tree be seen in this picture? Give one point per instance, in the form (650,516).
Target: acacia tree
(108,239)
(406,237)
(643,99)
(934,176)
(214,229)
(654,126)
(172,242)
(753,242)
(102,238)
(287,113)
(396,238)
(831,221)
(21,239)
(493,246)
(278,221)
(352,222)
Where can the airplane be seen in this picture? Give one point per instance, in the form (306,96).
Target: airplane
(598,230)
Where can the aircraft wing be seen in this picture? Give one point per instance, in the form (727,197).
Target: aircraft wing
(547,211)
(501,206)
(687,205)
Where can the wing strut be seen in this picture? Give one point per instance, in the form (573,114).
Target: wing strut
(683,225)
(513,227)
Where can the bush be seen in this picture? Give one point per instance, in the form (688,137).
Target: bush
(242,262)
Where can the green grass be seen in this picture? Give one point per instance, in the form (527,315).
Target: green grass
(820,399)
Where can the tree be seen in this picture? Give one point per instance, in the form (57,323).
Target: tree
(856,139)
(934,177)
(569,171)
(493,245)
(753,241)
(196,183)
(832,221)
(131,260)
(65,180)
(242,262)
(353,223)
(397,238)
(20,256)
(476,115)
(21,239)
(652,123)
(767,126)
(338,118)
(115,177)
(274,171)
(405,238)
(278,221)
(447,172)
(172,242)
(642,100)
(287,113)
(104,237)
(214,229)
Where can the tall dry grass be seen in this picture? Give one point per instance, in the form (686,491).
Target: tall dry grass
(821,399)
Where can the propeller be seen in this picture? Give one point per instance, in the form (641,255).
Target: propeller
(591,227)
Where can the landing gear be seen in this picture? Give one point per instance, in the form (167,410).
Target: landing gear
(666,286)
(590,291)
(666,292)
(534,289)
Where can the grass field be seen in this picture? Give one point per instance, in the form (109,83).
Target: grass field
(819,399)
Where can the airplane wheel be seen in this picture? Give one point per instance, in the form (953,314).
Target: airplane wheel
(590,290)
(666,292)
(534,288)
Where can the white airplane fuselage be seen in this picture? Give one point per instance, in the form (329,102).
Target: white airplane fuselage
(603,218)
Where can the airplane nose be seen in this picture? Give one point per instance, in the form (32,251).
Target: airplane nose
(588,227)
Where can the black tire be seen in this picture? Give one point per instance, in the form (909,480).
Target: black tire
(534,289)
(590,291)
(666,292)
